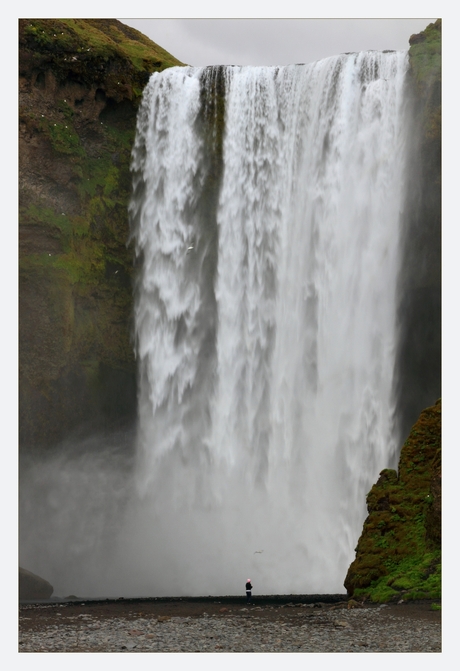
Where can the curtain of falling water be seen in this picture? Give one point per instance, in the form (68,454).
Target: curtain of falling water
(266,216)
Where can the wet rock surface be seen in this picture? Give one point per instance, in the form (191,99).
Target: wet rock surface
(227,625)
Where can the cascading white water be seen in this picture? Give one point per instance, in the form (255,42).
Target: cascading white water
(265,320)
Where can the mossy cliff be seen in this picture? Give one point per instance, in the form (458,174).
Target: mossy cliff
(80,84)
(398,555)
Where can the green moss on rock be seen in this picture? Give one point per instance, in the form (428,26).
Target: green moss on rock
(80,87)
(398,555)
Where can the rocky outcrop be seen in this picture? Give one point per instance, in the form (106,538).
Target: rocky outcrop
(80,83)
(32,587)
(398,555)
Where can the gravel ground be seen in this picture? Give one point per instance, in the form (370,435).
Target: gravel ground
(226,625)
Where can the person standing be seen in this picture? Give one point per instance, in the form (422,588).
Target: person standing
(248,591)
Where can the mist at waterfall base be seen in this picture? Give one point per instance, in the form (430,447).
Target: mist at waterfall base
(266,218)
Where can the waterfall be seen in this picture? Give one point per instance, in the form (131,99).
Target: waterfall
(265,217)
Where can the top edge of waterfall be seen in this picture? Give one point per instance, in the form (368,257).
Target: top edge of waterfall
(236,66)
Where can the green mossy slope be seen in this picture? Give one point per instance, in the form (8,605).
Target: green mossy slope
(398,555)
(81,82)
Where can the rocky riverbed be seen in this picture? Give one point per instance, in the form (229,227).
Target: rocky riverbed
(227,626)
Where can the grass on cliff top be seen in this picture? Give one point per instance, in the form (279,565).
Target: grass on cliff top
(132,42)
(97,38)
(115,36)
(425,55)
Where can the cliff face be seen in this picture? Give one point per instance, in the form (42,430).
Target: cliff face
(398,555)
(80,83)
(418,365)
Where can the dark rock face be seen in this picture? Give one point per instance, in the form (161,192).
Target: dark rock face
(399,552)
(418,364)
(80,85)
(33,587)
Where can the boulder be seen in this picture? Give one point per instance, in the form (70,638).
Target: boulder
(33,587)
